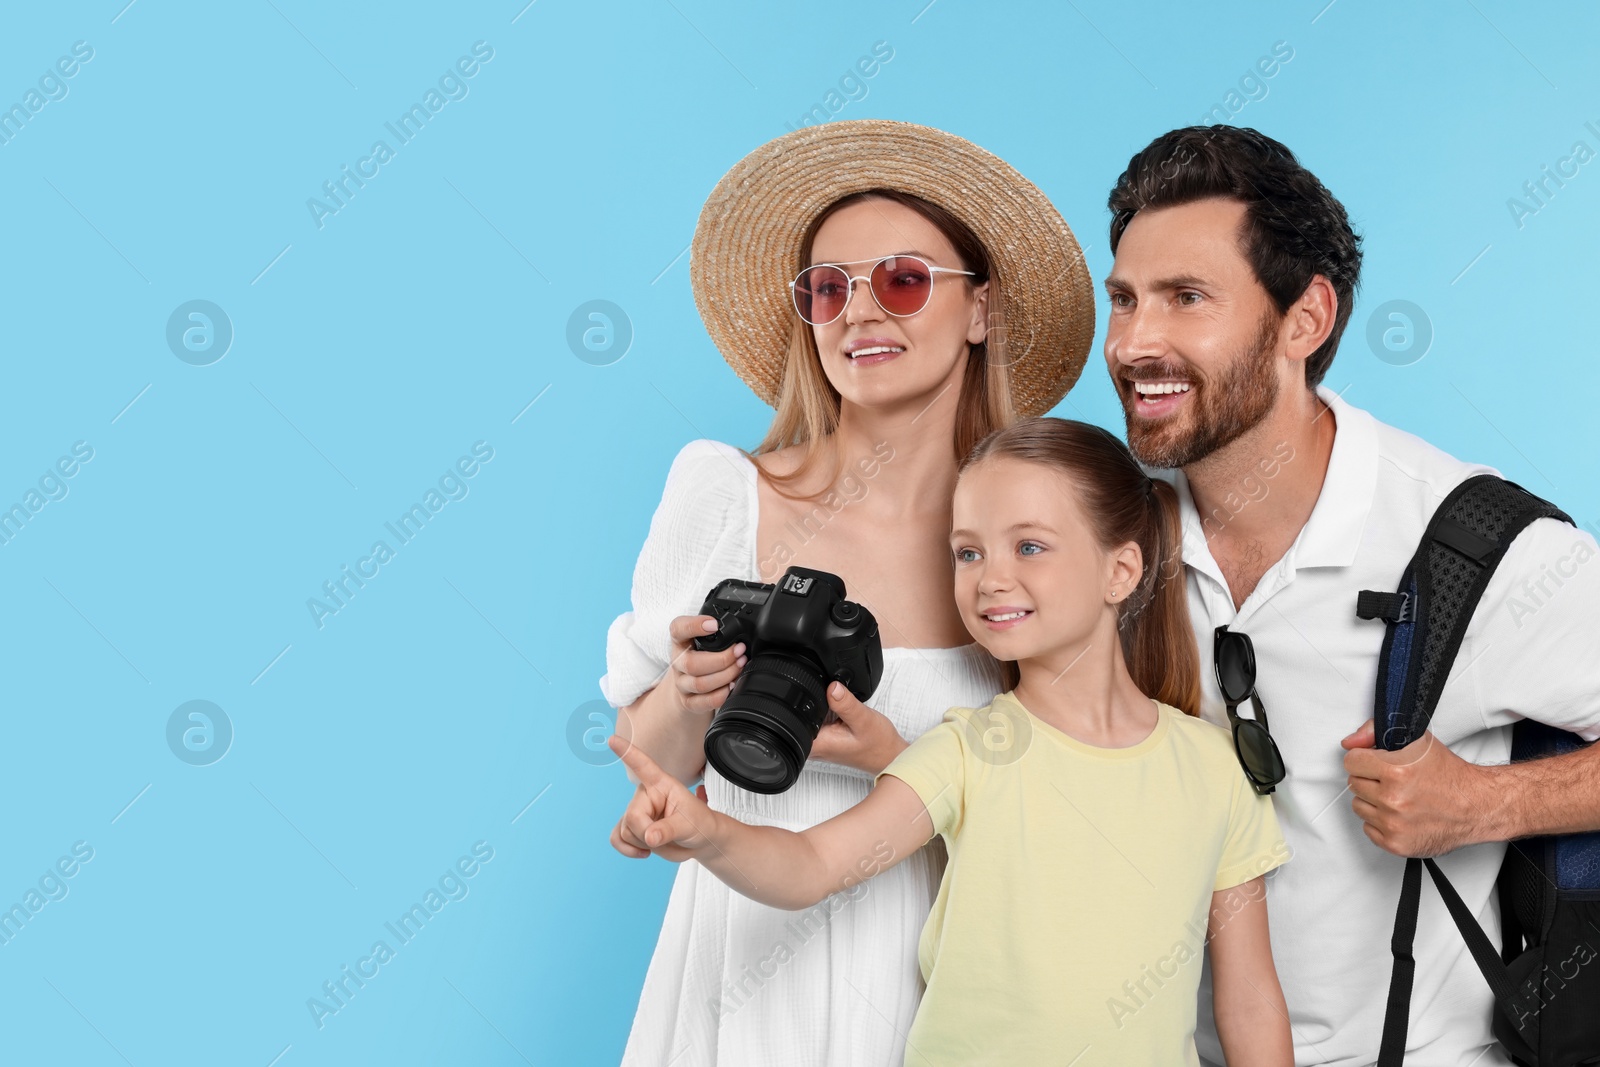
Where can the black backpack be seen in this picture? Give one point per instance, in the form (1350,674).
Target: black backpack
(1546,976)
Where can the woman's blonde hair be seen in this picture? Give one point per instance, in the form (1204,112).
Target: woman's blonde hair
(808,404)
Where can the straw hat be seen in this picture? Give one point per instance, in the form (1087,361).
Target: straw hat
(747,243)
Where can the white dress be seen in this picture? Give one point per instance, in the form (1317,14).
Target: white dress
(734,983)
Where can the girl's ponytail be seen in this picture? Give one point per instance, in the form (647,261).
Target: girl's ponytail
(1157,639)
(1123,504)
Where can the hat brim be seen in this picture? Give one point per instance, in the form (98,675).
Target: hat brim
(747,243)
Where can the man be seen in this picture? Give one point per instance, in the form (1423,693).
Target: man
(1233,281)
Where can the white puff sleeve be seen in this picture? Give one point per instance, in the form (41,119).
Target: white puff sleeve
(701,532)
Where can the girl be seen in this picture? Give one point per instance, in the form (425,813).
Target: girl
(849,273)
(1100,834)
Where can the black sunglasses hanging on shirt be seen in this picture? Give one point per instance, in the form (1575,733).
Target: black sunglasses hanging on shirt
(1234,658)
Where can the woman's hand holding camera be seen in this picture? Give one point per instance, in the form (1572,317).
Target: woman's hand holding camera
(670,717)
(699,681)
(862,738)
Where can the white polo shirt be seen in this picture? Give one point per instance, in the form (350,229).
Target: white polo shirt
(1532,650)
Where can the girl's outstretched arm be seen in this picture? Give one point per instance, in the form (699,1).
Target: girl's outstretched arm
(1252,1018)
(779,868)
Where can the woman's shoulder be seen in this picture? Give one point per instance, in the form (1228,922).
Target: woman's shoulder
(706,466)
(784,460)
(709,494)
(706,451)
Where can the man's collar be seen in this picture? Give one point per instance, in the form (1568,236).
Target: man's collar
(1332,533)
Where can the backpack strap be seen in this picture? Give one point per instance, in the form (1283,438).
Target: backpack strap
(1392,1051)
(1511,936)
(1427,618)
(1397,1015)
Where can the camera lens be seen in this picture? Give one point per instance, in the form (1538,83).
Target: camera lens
(751,756)
(760,738)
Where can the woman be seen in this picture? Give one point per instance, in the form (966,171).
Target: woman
(961,302)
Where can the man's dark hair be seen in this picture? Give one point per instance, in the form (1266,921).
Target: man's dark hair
(1293,228)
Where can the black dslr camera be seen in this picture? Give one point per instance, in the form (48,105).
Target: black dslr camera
(800,634)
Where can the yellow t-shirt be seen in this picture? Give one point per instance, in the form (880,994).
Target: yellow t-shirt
(1072,914)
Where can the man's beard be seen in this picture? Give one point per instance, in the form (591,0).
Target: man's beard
(1222,410)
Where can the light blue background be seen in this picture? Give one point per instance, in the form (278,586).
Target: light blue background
(426,315)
